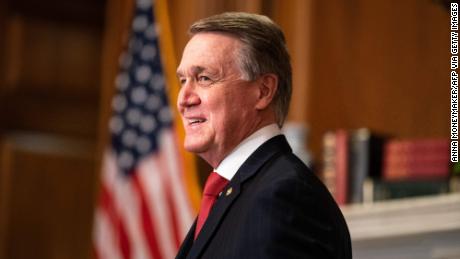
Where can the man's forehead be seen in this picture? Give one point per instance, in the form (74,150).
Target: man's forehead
(210,52)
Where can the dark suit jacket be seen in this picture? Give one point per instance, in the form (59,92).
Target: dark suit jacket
(274,207)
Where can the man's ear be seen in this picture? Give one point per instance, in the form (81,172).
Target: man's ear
(267,86)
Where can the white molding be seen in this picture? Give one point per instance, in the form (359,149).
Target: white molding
(403,217)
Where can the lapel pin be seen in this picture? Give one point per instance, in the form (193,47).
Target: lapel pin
(229,191)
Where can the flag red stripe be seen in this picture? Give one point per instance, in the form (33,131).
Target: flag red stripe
(174,218)
(170,201)
(108,205)
(146,220)
(182,171)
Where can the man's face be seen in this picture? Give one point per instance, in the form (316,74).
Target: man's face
(216,104)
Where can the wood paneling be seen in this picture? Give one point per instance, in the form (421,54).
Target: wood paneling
(49,114)
(52,57)
(50,188)
(297,29)
(76,12)
(5,158)
(382,65)
(51,76)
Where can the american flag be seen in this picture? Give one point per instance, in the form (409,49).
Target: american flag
(143,210)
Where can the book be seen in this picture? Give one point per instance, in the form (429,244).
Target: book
(416,159)
(335,164)
(341,165)
(328,173)
(365,161)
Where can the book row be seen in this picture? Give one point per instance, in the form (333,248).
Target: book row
(359,166)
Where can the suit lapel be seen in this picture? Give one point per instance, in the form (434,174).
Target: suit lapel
(232,190)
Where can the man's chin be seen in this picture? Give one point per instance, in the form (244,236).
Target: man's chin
(195,148)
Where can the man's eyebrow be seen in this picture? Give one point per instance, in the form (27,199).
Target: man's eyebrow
(195,70)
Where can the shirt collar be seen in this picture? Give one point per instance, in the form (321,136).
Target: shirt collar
(230,165)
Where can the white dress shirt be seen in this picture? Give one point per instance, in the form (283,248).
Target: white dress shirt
(230,165)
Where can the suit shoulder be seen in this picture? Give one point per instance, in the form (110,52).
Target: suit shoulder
(287,176)
(286,191)
(289,166)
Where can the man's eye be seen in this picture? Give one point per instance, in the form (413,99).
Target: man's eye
(182,81)
(203,79)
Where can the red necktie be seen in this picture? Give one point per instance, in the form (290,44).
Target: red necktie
(214,185)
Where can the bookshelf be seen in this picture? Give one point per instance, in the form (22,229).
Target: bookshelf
(423,227)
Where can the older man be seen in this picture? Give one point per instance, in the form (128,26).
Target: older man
(261,201)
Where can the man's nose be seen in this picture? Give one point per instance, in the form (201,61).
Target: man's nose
(187,96)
